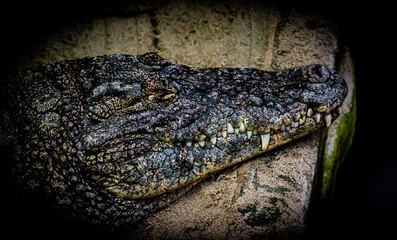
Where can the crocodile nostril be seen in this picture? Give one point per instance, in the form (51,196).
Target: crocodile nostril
(319,71)
(320,74)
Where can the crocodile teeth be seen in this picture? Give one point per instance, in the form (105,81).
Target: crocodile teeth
(249,134)
(213,140)
(224,133)
(265,141)
(328,119)
(230,128)
(318,117)
(310,113)
(302,120)
(242,127)
(265,138)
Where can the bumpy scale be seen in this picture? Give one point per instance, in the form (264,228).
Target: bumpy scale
(116,136)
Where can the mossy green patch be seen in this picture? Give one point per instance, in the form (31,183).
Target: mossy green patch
(332,154)
(341,145)
(261,216)
(279,189)
(292,182)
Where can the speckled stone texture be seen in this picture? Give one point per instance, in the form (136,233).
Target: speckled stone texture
(268,196)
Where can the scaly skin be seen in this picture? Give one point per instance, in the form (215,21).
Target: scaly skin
(117,137)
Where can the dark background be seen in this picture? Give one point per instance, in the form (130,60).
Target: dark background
(365,203)
(365,198)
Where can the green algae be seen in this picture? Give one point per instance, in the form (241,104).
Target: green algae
(334,146)
(255,216)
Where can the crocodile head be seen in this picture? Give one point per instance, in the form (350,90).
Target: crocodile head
(113,134)
(164,126)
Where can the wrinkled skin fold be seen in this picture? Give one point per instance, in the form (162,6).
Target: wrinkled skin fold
(117,137)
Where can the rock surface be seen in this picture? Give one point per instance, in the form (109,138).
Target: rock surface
(271,194)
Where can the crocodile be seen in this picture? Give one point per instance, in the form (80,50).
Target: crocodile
(115,138)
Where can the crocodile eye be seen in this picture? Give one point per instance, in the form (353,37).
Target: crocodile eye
(159,97)
(111,98)
(157,93)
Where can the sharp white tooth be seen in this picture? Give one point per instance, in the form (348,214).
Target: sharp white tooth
(288,127)
(318,117)
(309,112)
(230,128)
(302,120)
(294,124)
(283,128)
(218,134)
(249,134)
(245,123)
(213,140)
(242,127)
(189,144)
(265,141)
(254,132)
(328,119)
(201,143)
(224,133)
(339,109)
(236,130)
